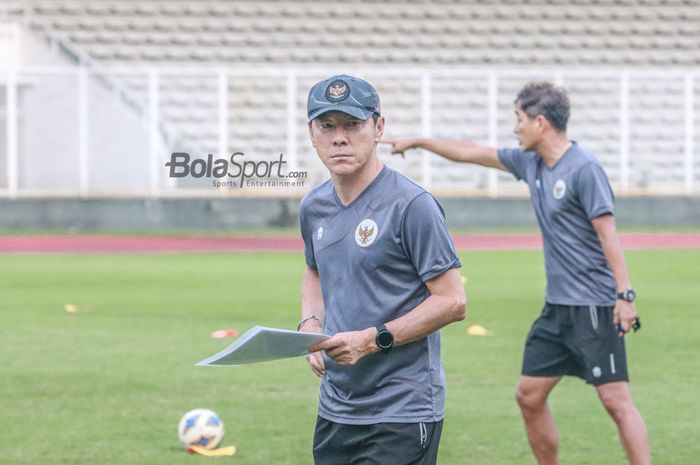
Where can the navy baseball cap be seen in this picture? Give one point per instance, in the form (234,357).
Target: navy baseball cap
(348,94)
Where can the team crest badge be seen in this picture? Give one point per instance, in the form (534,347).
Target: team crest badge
(559,189)
(366,233)
(338,90)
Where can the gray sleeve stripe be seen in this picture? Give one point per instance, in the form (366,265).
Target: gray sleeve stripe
(428,275)
(604,210)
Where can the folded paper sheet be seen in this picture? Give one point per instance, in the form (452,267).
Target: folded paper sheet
(261,344)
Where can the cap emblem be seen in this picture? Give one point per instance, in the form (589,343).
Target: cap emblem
(338,90)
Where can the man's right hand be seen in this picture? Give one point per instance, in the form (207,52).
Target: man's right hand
(400,145)
(461,151)
(316,363)
(314,359)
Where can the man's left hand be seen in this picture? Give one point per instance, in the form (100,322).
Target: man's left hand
(349,347)
(625,315)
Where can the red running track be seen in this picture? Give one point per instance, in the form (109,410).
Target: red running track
(152,244)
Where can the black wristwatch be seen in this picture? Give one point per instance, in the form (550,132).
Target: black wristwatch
(384,339)
(629,295)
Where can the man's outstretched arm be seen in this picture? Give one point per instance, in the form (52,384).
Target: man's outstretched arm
(461,151)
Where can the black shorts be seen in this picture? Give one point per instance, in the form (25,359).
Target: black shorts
(378,444)
(578,341)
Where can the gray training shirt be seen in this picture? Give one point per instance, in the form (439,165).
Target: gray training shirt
(373,258)
(566,198)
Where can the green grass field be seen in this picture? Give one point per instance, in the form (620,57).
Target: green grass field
(108,384)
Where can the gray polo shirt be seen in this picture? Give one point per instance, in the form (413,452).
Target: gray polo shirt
(373,258)
(566,198)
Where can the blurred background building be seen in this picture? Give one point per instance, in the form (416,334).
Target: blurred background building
(96,95)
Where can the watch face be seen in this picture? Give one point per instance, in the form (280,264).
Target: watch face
(630,295)
(385,339)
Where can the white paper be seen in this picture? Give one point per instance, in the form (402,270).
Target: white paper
(261,344)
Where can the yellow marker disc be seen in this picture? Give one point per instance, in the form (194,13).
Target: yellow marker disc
(70,308)
(220,452)
(478,330)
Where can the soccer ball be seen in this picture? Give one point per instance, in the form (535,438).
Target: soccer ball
(200,427)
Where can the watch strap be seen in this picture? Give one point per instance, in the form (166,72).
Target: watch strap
(625,295)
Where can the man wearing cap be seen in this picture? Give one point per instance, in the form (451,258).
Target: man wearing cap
(381,279)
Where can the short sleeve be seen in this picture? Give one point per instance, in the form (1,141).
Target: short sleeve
(307,235)
(594,191)
(425,238)
(516,161)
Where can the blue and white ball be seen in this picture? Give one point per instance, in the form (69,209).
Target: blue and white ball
(200,427)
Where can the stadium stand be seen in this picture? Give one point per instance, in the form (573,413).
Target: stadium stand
(595,48)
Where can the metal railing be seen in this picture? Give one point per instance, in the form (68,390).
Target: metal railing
(145,106)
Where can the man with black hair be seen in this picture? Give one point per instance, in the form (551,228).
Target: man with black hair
(589,299)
